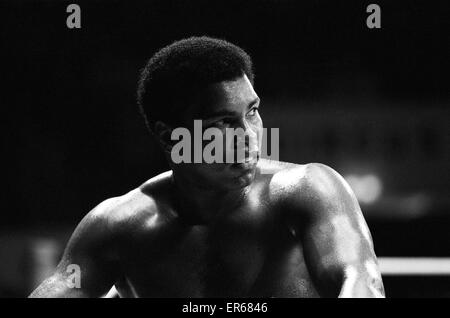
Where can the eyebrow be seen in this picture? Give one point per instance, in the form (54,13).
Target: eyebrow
(224,113)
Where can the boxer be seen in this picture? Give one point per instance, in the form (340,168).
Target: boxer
(258,228)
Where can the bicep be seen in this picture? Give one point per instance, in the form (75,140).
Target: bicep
(337,243)
(88,267)
(341,257)
(58,285)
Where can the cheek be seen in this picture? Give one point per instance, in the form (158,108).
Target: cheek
(258,129)
(257,125)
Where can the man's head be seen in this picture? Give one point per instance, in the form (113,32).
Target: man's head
(202,78)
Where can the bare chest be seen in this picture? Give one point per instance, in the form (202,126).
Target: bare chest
(248,255)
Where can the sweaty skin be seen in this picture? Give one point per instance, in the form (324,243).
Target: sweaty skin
(298,232)
(260,229)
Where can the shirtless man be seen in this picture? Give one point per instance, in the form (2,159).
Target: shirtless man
(260,228)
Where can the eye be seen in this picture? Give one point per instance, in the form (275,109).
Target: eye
(253,111)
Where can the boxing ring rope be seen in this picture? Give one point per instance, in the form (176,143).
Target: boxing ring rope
(414,266)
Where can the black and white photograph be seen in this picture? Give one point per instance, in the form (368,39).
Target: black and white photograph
(225,149)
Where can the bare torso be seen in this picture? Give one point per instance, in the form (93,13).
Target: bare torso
(296,231)
(248,251)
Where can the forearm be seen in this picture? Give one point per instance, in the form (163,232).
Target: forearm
(361,285)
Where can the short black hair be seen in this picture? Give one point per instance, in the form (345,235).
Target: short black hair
(172,76)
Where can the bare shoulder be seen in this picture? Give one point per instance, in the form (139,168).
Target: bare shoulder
(307,187)
(286,172)
(135,208)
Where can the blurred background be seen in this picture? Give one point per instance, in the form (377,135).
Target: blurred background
(371,103)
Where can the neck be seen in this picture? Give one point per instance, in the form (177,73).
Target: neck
(203,203)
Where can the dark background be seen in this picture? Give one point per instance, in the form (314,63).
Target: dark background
(364,101)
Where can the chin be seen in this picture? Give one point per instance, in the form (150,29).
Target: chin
(245,178)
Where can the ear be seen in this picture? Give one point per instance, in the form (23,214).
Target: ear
(163,133)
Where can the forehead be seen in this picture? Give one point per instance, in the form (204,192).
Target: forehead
(234,95)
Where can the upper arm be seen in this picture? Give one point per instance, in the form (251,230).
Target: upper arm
(337,243)
(91,249)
